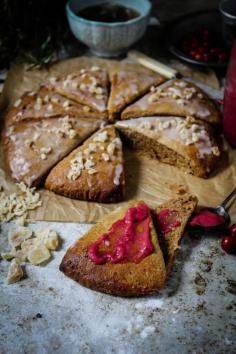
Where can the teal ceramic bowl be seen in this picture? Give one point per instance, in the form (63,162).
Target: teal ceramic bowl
(108,39)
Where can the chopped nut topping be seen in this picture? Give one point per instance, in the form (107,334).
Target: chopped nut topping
(39,101)
(105,156)
(52,80)
(200,95)
(111,148)
(95,68)
(46,99)
(88,164)
(37,107)
(83,87)
(50,108)
(46,150)
(99,97)
(153,89)
(216,151)
(86,109)
(74,85)
(99,90)
(66,104)
(17,204)
(101,137)
(153,98)
(17,103)
(180,83)
(55,99)
(66,83)
(92,171)
(92,147)
(31,93)
(43,157)
(67,128)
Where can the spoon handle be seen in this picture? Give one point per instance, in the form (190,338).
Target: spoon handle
(228,198)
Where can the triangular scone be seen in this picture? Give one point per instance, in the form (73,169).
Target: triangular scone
(94,171)
(125,278)
(128,83)
(172,218)
(46,103)
(33,147)
(185,143)
(88,86)
(175,98)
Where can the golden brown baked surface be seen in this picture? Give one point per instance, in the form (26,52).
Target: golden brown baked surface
(128,83)
(175,98)
(46,103)
(188,144)
(94,171)
(183,207)
(88,86)
(33,147)
(84,95)
(123,279)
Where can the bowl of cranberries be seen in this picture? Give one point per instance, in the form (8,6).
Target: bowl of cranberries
(198,40)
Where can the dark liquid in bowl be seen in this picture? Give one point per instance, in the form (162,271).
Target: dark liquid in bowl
(108,13)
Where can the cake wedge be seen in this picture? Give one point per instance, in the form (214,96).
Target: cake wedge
(104,260)
(171,219)
(33,147)
(128,83)
(88,86)
(188,144)
(45,103)
(175,98)
(93,172)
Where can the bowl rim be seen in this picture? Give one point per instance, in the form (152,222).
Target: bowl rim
(71,14)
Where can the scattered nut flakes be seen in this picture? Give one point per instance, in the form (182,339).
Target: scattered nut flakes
(15,272)
(38,254)
(17,204)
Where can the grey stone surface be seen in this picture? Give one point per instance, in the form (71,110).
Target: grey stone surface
(49,313)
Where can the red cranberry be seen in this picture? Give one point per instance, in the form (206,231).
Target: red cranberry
(201,50)
(222,57)
(198,56)
(193,53)
(194,44)
(206,44)
(228,244)
(206,57)
(232,230)
(215,50)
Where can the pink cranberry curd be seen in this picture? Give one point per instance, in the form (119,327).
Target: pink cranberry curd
(127,240)
(206,218)
(167,220)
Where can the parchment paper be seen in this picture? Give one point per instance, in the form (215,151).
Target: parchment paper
(146,179)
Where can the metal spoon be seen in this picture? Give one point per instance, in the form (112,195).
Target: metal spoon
(220,210)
